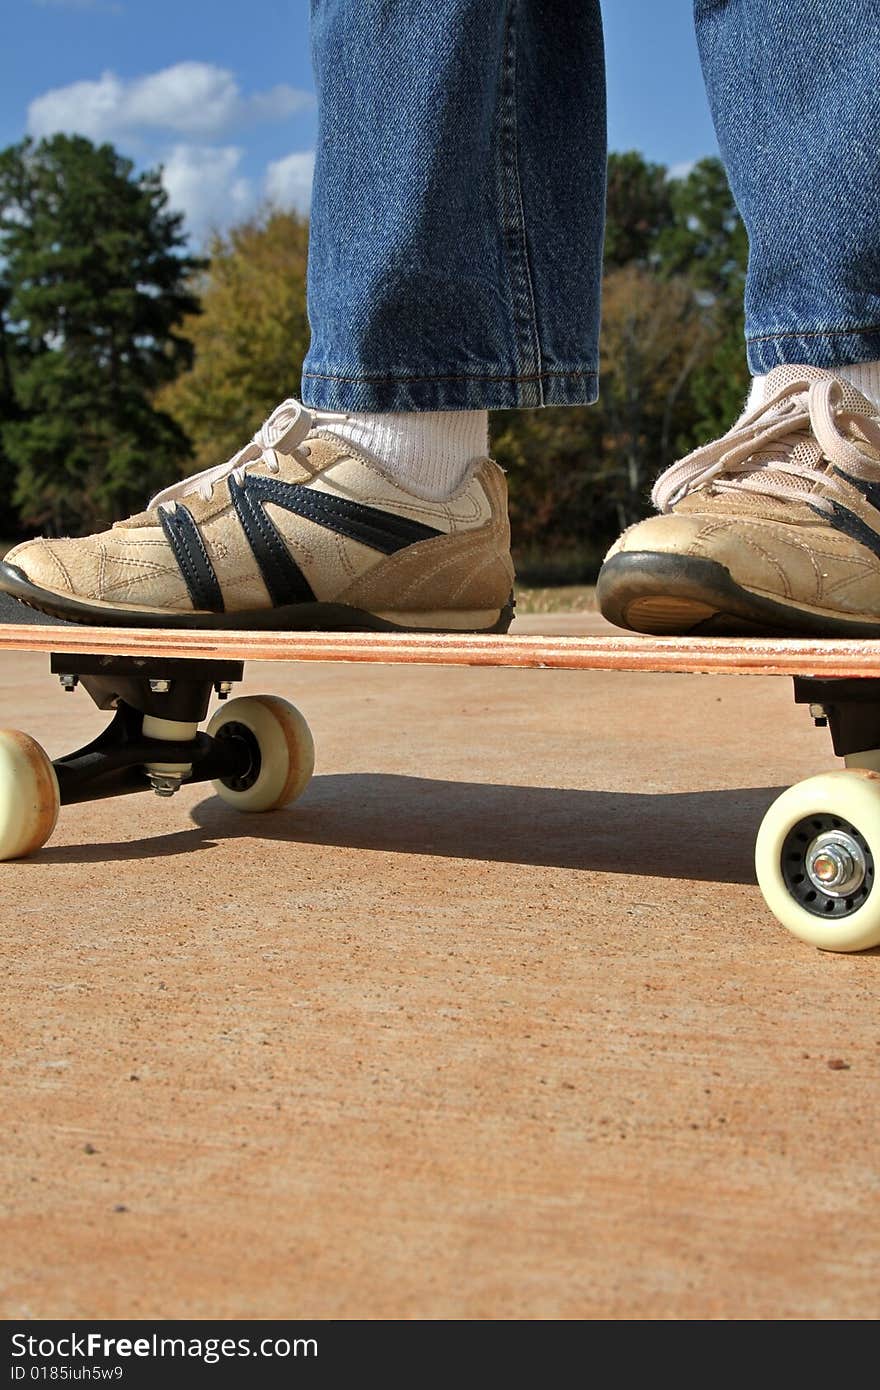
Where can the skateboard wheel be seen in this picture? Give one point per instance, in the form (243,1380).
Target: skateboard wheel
(29,796)
(817,856)
(282,752)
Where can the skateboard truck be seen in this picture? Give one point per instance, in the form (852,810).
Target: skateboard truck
(153,739)
(850,709)
(257,750)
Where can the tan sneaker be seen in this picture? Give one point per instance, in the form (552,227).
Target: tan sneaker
(298,530)
(774,528)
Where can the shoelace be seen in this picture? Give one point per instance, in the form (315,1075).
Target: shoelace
(287,427)
(763,441)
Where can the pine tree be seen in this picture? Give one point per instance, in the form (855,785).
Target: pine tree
(98,284)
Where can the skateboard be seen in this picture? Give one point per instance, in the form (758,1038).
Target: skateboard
(817,849)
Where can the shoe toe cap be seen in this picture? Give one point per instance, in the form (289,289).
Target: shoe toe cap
(39,563)
(670,534)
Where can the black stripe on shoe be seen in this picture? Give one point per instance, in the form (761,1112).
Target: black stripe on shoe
(869,490)
(285,581)
(379,530)
(282,576)
(842,519)
(192,558)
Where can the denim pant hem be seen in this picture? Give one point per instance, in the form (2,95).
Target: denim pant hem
(825,347)
(329,390)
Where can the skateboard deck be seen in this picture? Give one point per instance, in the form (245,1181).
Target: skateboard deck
(701,655)
(817,848)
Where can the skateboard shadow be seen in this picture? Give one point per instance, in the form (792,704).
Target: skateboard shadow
(706,835)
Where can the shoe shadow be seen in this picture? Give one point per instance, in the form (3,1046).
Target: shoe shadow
(706,836)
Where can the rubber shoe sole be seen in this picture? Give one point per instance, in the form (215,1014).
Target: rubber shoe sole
(680,595)
(297,617)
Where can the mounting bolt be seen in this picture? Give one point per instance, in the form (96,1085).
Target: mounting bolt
(819,715)
(69,682)
(160,687)
(223,688)
(165,783)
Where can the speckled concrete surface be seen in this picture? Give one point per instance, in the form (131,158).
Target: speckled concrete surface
(492,1024)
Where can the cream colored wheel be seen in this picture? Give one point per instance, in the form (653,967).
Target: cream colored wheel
(281,752)
(29,796)
(816,858)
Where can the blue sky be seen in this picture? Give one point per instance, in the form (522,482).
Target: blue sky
(220,93)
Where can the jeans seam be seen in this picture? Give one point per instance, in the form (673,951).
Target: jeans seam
(525,326)
(462,376)
(812,333)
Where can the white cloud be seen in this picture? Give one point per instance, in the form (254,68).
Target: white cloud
(279,102)
(681,171)
(85,107)
(203,182)
(189,98)
(289,181)
(192,98)
(176,118)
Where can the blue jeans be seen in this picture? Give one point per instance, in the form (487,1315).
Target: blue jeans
(457,212)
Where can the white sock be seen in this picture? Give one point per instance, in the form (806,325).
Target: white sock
(756,394)
(427,451)
(865,377)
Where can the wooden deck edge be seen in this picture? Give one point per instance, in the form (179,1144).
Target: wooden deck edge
(733,656)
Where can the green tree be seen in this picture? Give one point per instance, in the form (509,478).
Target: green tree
(9,523)
(250,338)
(97,288)
(707,242)
(559,501)
(638,209)
(706,237)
